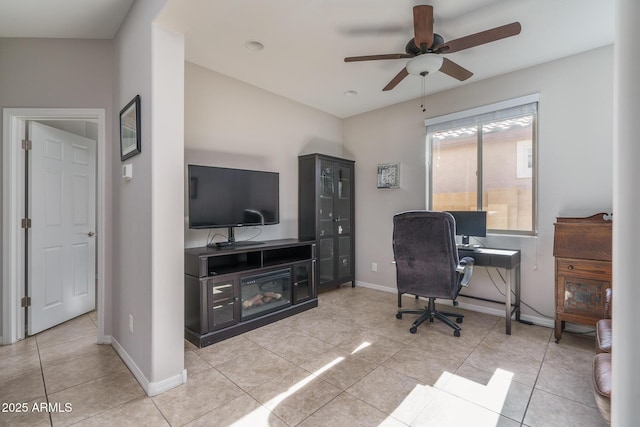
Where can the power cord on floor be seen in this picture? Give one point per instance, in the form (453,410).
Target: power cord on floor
(503,294)
(525,304)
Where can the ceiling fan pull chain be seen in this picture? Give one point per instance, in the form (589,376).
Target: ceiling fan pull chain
(424,93)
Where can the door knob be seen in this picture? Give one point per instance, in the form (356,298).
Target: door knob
(91,234)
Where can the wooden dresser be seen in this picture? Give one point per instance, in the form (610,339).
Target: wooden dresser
(582,248)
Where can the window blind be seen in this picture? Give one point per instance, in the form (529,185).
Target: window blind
(505,110)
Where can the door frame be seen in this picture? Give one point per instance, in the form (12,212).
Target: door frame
(13,185)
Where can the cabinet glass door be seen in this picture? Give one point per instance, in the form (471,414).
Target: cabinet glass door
(223,304)
(335,221)
(302,287)
(343,200)
(344,257)
(326,260)
(584,297)
(327,191)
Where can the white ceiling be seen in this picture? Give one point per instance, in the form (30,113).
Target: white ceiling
(306,40)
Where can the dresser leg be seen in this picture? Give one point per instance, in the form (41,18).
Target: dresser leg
(559,327)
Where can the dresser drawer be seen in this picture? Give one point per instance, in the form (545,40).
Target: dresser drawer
(580,267)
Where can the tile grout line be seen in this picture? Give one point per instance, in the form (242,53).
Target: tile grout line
(466,358)
(67,388)
(561,396)
(533,389)
(245,392)
(402,346)
(44,383)
(316,377)
(160,411)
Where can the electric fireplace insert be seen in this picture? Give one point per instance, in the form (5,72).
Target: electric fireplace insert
(265,292)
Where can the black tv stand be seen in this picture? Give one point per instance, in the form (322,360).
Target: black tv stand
(234,244)
(216,280)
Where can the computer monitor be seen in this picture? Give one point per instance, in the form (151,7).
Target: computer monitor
(470,223)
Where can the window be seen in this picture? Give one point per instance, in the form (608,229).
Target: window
(484,159)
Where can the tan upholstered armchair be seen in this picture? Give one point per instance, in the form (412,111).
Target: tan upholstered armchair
(602,361)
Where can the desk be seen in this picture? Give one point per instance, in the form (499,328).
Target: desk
(502,258)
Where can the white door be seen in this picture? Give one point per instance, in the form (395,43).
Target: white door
(61,245)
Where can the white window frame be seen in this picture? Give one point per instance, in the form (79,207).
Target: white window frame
(475,113)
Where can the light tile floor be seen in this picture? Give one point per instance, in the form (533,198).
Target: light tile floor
(349,362)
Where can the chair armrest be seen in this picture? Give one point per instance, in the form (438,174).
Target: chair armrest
(465,267)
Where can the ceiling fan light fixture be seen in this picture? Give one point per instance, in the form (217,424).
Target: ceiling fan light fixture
(427,63)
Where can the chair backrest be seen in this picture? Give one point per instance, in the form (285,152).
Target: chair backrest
(425,253)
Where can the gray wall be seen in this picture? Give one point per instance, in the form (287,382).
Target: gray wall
(58,73)
(132,278)
(147,216)
(108,74)
(574,174)
(232,124)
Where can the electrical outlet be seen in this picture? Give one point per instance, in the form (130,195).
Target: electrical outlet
(131,323)
(374,266)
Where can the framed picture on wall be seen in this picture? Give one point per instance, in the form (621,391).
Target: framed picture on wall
(389,175)
(130,129)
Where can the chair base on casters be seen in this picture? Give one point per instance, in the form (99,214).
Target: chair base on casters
(430,313)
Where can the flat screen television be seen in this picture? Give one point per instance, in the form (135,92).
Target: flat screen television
(227,198)
(470,223)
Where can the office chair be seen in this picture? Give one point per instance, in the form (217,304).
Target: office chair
(427,264)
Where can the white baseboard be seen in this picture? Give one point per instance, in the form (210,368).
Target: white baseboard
(133,367)
(467,306)
(151,388)
(376,287)
(158,387)
(536,320)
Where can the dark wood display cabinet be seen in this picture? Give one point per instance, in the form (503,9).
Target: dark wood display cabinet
(326,215)
(232,290)
(582,249)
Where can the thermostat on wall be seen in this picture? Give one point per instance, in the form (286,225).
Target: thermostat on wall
(127,171)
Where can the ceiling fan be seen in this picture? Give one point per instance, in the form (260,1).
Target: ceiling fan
(426,47)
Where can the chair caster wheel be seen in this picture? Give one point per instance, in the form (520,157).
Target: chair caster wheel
(431,319)
(398,315)
(459,320)
(456,333)
(413,329)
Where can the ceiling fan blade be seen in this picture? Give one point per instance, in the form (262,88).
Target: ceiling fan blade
(452,69)
(480,38)
(376,57)
(397,79)
(423,26)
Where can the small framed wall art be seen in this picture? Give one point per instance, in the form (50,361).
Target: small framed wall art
(389,175)
(130,129)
